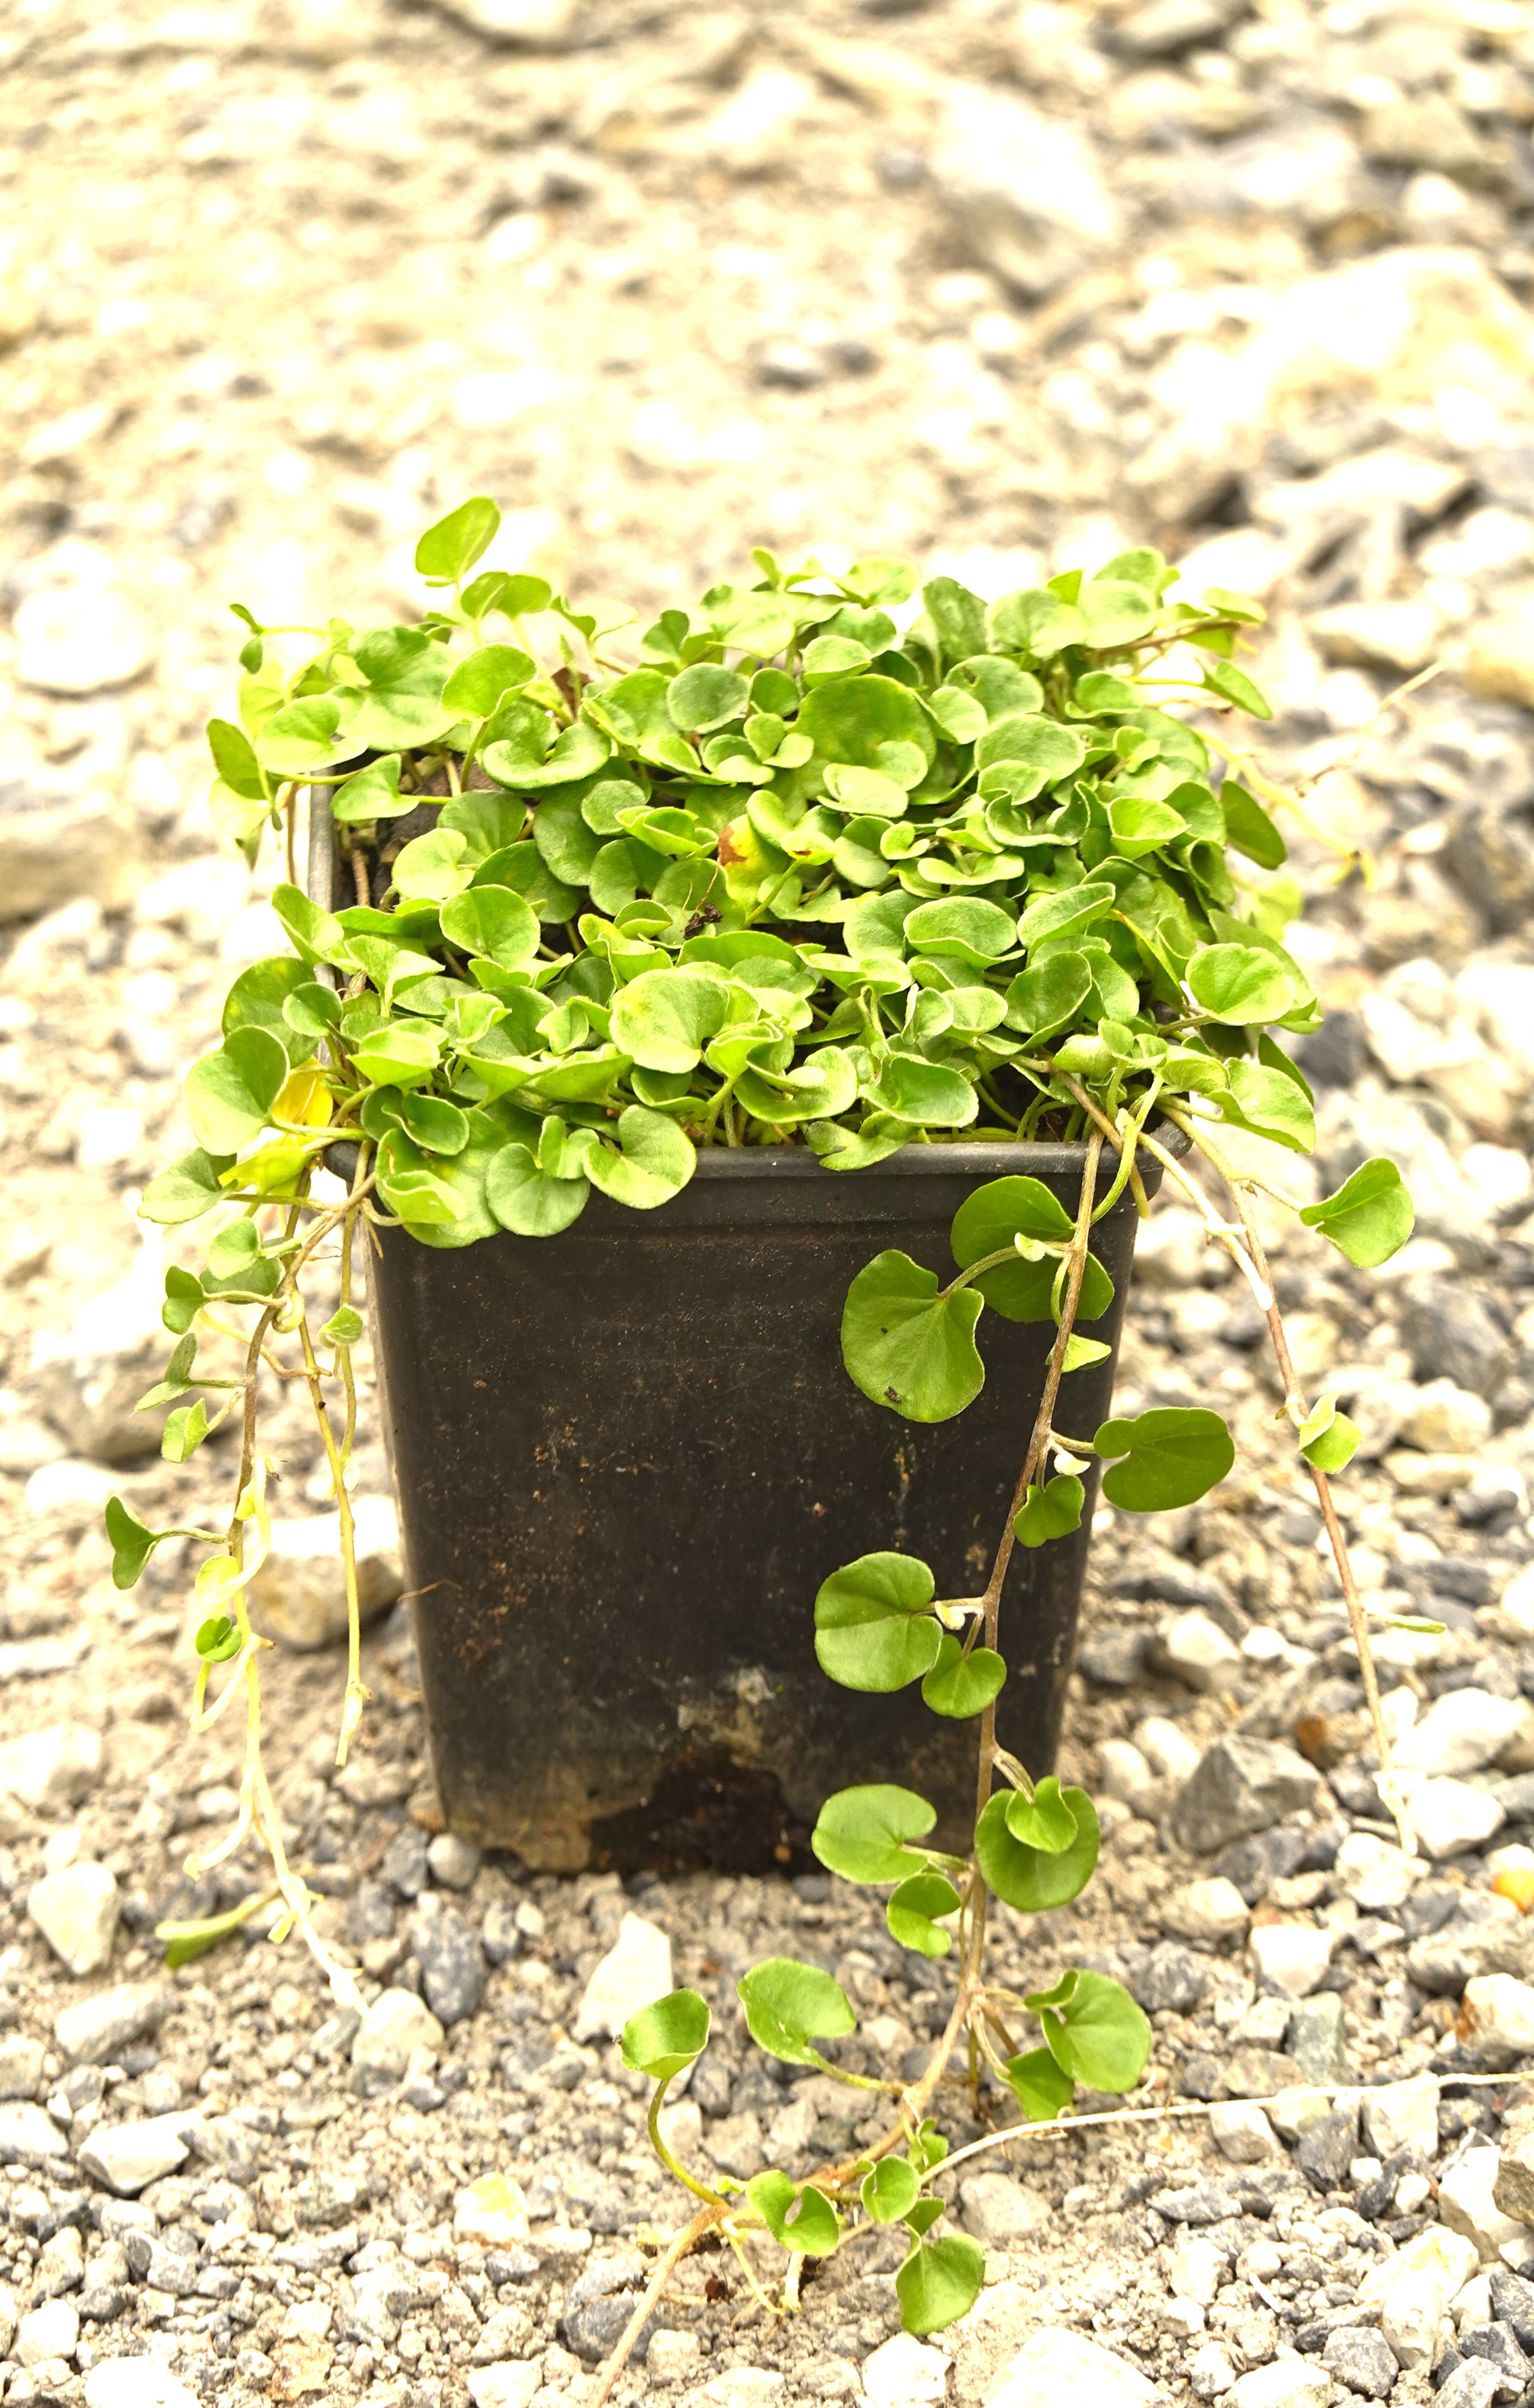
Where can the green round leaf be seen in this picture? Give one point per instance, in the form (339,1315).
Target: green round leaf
(1042,2088)
(1328,1439)
(1039,745)
(493,923)
(788,2005)
(706,696)
(938,2283)
(1250,829)
(1239,984)
(448,551)
(890,2190)
(311,1011)
(1034,1879)
(963,928)
(1171,1455)
(399,1053)
(870,723)
(373,794)
(861,1832)
(655,1161)
(187,1190)
(185,1432)
(477,685)
(437,1126)
(664,2038)
(912,1910)
(1043,1821)
(344,1328)
(872,1632)
(526,1199)
(1051,1511)
(1047,998)
(259,999)
(1270,1104)
(959,1685)
(315,936)
(993,1217)
(906,1346)
(133,1542)
(665,1018)
(1139,824)
(1093,2030)
(218,1641)
(1370,1218)
(433,866)
(229,1094)
(1065,917)
(800,2218)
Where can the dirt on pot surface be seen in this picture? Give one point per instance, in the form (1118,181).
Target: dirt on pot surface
(1003,287)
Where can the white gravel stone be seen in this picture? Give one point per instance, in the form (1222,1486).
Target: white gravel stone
(1413,2291)
(137,2383)
(1461,1732)
(76,1911)
(1123,1774)
(127,2156)
(394,2026)
(53,1768)
(1206,1911)
(1057,2369)
(1401,2116)
(1467,2205)
(1167,1747)
(1292,1957)
(999,2211)
(80,639)
(1210,2371)
(492,2211)
(453,1862)
(514,2383)
(1447,1420)
(1197,1652)
(1242,2133)
(1497,2012)
(905,2373)
(634,1973)
(298,1596)
(1196,2269)
(51,2331)
(1287,2383)
(28,2135)
(1026,196)
(1374,1873)
(1449,1816)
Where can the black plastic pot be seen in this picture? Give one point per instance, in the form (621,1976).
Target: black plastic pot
(626,1458)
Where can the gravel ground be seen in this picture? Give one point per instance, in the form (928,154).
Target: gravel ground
(1004,287)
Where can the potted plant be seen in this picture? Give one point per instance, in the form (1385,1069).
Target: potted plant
(658,1017)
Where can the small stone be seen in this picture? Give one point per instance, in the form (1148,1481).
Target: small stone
(1243,2134)
(96,2030)
(1499,663)
(1446,1420)
(528,25)
(998,2211)
(1166,1976)
(76,1911)
(1264,2073)
(396,2025)
(1375,1875)
(1450,1335)
(1512,2304)
(1287,2383)
(1363,2359)
(1330,2148)
(1496,2014)
(1197,2269)
(1401,2116)
(1462,1731)
(1114,1659)
(20,2067)
(298,1596)
(515,2382)
(1239,1786)
(1195,1651)
(454,1861)
(61,2264)
(1513,2190)
(672,2356)
(47,2333)
(135,2383)
(1413,2291)
(127,2156)
(1466,2204)
(1449,1816)
(905,2373)
(1400,637)
(492,2211)
(1209,1911)
(1026,196)
(28,2135)
(452,1966)
(634,1973)
(1057,2369)
(1317,2039)
(1474,2382)
(52,1769)
(80,639)
(735,2144)
(1210,2371)
(1498,2346)
(1291,1957)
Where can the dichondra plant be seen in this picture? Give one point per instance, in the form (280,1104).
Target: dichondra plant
(829,867)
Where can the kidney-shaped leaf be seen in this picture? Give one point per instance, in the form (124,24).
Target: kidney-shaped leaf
(872,1629)
(860,1831)
(665,1018)
(1034,1879)
(663,2039)
(912,1910)
(905,1345)
(890,2190)
(1171,1455)
(1042,2088)
(789,2005)
(1095,2031)
(448,549)
(1051,1511)
(477,684)
(1043,1821)
(803,2219)
(493,923)
(959,1685)
(528,1200)
(654,1162)
(228,1095)
(1239,984)
(938,2283)
(1370,1218)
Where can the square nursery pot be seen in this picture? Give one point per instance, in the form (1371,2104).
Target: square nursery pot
(626,1457)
